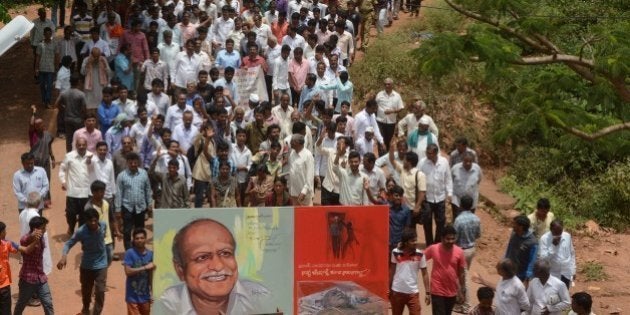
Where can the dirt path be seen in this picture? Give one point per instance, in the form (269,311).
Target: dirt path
(19,92)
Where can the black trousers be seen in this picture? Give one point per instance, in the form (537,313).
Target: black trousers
(329,198)
(131,220)
(69,129)
(442,305)
(387,131)
(430,210)
(74,212)
(5,300)
(90,280)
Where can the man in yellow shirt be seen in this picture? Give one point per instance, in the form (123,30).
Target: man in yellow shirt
(541,218)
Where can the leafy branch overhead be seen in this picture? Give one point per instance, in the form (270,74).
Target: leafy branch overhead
(566,61)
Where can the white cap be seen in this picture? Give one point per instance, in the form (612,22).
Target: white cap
(254,98)
(424,120)
(369,129)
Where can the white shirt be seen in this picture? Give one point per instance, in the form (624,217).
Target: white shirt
(376,178)
(271,56)
(331,180)
(407,268)
(362,121)
(154,70)
(510,297)
(186,69)
(175,115)
(184,136)
(439,180)
(346,44)
(220,30)
(552,295)
(73,173)
(103,171)
(280,79)
(63,79)
(284,117)
(263,32)
(161,101)
(321,161)
(293,42)
(129,107)
(383,161)
(421,146)
(350,186)
(271,17)
(241,158)
(301,173)
(138,132)
(168,54)
(410,122)
(388,102)
(364,146)
(466,182)
(561,257)
(25,218)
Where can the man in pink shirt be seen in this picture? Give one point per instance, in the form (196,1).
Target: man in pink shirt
(447,276)
(136,39)
(89,132)
(253,59)
(298,69)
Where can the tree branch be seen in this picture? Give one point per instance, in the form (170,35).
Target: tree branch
(541,60)
(506,29)
(596,135)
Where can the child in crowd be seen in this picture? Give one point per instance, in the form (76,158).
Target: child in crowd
(485,296)
(404,289)
(139,269)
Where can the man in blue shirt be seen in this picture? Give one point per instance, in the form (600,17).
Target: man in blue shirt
(107,111)
(93,271)
(139,269)
(228,57)
(133,197)
(468,227)
(399,220)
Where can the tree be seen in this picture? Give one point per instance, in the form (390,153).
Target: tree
(559,64)
(7,5)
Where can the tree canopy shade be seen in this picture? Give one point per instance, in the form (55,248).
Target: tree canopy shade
(551,63)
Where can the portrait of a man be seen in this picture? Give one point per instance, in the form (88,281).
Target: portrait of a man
(204,258)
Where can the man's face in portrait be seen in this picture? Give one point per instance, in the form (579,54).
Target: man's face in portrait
(208,265)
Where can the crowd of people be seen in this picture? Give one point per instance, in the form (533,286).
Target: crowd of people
(152,118)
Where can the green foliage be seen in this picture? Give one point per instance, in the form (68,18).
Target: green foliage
(594,271)
(579,184)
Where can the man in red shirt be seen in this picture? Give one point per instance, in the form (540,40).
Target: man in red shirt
(449,265)
(136,39)
(253,59)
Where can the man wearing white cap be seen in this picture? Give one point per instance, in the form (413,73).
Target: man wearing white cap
(254,100)
(389,104)
(365,144)
(419,139)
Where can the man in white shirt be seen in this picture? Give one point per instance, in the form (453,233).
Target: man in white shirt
(302,173)
(174,152)
(241,158)
(351,180)
(159,99)
(126,106)
(365,119)
(556,247)
(221,28)
(187,67)
(185,132)
(283,113)
(389,105)
(154,68)
(546,293)
(74,178)
(175,113)
(102,168)
(410,122)
(97,42)
(345,43)
(438,194)
(419,139)
(280,75)
(169,51)
(293,39)
(141,127)
(467,176)
(375,175)
(399,155)
(330,183)
(326,140)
